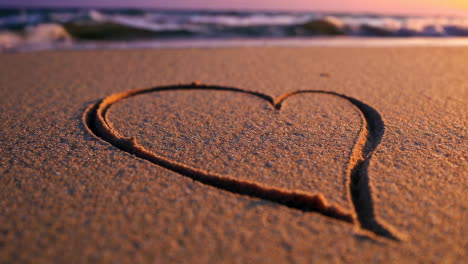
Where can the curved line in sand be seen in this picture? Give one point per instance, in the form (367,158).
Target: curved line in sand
(359,191)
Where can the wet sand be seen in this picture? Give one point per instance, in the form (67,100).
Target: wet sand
(236,178)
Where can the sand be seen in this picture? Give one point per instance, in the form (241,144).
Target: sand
(69,196)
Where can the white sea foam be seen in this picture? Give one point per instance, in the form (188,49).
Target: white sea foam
(251,20)
(9,40)
(140,22)
(44,34)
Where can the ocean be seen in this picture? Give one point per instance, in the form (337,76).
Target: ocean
(78,28)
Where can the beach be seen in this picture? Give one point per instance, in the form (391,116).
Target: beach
(67,193)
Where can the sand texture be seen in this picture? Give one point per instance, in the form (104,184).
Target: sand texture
(368,163)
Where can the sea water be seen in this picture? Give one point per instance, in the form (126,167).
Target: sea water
(75,28)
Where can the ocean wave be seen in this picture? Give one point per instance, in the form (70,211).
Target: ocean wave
(21,27)
(101,26)
(250,20)
(44,34)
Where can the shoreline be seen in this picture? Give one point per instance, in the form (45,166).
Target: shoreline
(338,42)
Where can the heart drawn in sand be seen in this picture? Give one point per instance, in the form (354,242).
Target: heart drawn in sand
(359,186)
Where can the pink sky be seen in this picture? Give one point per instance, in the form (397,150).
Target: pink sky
(458,7)
(381,6)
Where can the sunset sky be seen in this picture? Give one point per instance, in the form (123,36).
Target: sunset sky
(433,7)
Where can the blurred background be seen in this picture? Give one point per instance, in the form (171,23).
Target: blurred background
(53,24)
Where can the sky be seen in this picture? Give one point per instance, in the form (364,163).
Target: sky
(424,7)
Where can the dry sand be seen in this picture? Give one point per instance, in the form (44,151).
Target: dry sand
(67,196)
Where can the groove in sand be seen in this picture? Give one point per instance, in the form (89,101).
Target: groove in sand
(359,186)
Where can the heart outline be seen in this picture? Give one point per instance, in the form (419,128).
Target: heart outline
(359,191)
